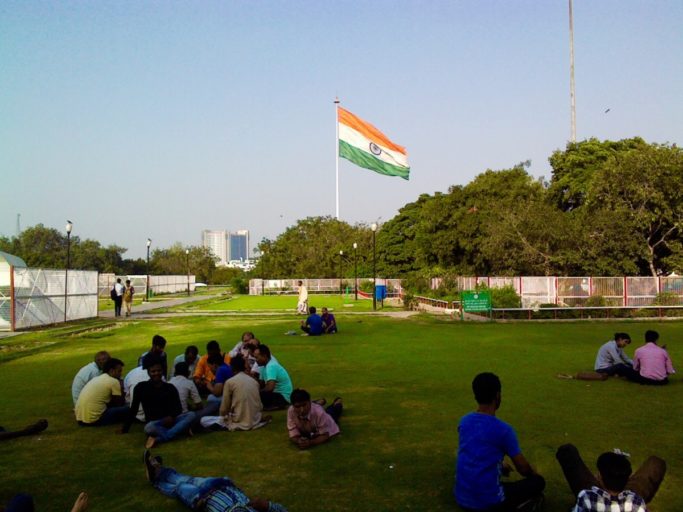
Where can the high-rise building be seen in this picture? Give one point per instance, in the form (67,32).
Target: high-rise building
(239,245)
(217,242)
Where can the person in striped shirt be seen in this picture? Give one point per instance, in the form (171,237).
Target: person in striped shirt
(207,494)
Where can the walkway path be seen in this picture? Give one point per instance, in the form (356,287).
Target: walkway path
(149,306)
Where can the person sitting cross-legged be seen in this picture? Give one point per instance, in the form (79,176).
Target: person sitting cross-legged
(329,322)
(313,325)
(158,346)
(161,404)
(276,386)
(616,489)
(202,373)
(88,373)
(611,359)
(187,390)
(652,362)
(207,494)
(241,404)
(101,400)
(190,356)
(308,424)
(484,442)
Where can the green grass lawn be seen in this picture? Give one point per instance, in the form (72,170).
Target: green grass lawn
(405,383)
(336,303)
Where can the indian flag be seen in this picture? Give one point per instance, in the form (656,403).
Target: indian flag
(365,146)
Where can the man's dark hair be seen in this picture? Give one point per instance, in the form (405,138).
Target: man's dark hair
(299,395)
(213,346)
(249,334)
(215,358)
(237,364)
(158,341)
(150,360)
(651,336)
(182,368)
(264,350)
(615,469)
(486,386)
(111,363)
(192,349)
(621,336)
(312,310)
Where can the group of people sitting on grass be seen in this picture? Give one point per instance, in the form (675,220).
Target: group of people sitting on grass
(215,391)
(651,364)
(316,324)
(485,441)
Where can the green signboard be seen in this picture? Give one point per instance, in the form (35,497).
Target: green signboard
(475,302)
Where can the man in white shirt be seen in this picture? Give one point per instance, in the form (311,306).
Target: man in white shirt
(187,390)
(302,305)
(118,299)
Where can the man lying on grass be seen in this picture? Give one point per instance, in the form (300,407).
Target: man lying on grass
(208,494)
(308,423)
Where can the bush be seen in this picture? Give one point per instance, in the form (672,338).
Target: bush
(667,299)
(505,297)
(596,301)
(239,285)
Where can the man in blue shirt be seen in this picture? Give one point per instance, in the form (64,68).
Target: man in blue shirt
(313,325)
(484,442)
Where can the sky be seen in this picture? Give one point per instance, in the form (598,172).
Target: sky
(141,119)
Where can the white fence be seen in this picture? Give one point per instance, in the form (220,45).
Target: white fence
(575,291)
(157,284)
(291,286)
(36,297)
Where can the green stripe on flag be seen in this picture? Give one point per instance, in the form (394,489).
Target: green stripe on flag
(368,161)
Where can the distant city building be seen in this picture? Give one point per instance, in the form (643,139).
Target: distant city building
(239,246)
(217,242)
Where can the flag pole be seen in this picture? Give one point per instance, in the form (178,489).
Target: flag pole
(336,150)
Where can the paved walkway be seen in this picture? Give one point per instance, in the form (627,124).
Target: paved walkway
(149,306)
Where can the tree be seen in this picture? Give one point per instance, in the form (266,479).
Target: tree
(575,168)
(642,191)
(310,248)
(174,261)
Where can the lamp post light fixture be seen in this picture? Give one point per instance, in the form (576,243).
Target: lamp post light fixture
(69,227)
(187,263)
(263,269)
(355,270)
(149,243)
(341,272)
(373,227)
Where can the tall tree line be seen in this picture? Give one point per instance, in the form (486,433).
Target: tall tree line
(610,208)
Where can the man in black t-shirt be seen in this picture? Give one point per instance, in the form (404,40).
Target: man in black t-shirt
(161,404)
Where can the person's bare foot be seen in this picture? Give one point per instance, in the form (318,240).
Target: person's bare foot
(81,503)
(266,419)
(320,401)
(151,441)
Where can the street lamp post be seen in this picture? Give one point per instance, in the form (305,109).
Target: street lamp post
(373,227)
(187,263)
(263,278)
(69,227)
(341,272)
(355,270)
(149,243)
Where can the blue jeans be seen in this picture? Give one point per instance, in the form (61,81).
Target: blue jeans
(188,489)
(163,434)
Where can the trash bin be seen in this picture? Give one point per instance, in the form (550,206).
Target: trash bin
(381,292)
